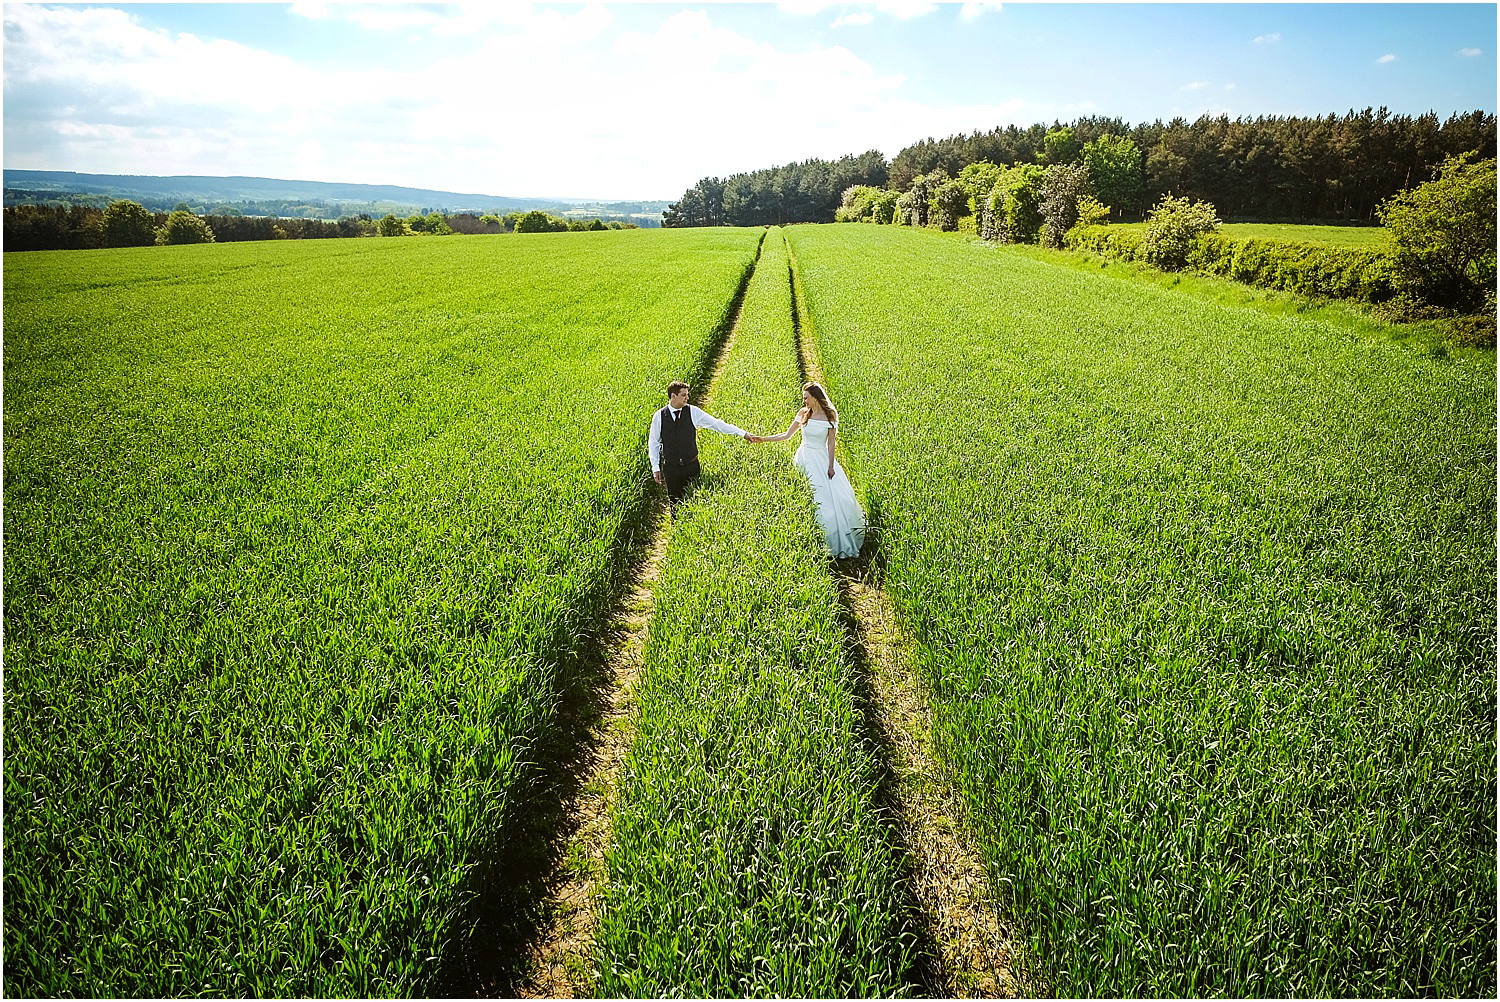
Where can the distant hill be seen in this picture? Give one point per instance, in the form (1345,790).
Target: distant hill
(273,196)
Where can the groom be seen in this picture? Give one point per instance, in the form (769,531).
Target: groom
(672,443)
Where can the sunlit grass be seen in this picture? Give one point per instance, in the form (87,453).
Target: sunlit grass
(1207,597)
(302,543)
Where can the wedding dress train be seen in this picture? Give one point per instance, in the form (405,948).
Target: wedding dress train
(839,513)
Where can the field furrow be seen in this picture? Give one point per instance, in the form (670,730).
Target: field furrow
(749,856)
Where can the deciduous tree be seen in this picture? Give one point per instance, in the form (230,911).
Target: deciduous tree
(128,224)
(1444,234)
(1114,166)
(183,227)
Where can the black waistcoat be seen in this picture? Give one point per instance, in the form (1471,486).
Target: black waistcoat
(679,439)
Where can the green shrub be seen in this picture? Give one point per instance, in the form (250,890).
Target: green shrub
(1304,268)
(127,224)
(1171,229)
(1012,214)
(182,227)
(1444,234)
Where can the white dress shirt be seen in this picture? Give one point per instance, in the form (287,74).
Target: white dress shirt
(702,420)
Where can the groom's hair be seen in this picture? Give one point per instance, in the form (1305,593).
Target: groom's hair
(674,388)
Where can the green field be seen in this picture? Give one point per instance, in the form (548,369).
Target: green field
(309,545)
(303,546)
(1207,598)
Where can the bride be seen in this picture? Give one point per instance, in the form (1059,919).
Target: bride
(838,510)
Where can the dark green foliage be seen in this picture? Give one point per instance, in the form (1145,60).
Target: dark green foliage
(806,192)
(1058,194)
(915,206)
(1309,269)
(1012,212)
(537,221)
(1060,146)
(127,224)
(183,227)
(1304,268)
(1444,234)
(950,200)
(1107,241)
(48,227)
(1115,172)
(1330,166)
(864,203)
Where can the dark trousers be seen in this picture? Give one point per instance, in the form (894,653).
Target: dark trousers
(676,478)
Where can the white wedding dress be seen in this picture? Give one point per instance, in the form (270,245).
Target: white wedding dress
(838,510)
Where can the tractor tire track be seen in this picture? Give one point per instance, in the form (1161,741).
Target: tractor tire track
(560,960)
(956,908)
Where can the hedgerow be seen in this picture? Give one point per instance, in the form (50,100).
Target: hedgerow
(1290,266)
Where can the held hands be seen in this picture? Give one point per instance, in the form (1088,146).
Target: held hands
(754,438)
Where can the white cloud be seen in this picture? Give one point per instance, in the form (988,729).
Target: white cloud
(1274,36)
(612,114)
(974,11)
(858,17)
(1387,58)
(1195,85)
(451,20)
(906,10)
(1469,52)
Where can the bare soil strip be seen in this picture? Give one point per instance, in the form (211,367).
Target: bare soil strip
(959,914)
(953,896)
(560,959)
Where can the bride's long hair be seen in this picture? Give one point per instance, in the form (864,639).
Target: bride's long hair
(821,396)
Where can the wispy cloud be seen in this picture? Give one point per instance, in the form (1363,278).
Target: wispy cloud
(905,10)
(974,11)
(901,10)
(450,20)
(1195,85)
(1470,52)
(858,17)
(1274,36)
(1389,57)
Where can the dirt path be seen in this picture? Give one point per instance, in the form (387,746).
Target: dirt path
(560,960)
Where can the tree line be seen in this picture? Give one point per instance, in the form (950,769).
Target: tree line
(1294,168)
(125,223)
(805,192)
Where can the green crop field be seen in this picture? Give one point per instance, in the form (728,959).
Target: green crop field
(1207,599)
(309,546)
(303,542)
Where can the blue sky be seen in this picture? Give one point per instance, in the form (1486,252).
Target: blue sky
(625,101)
